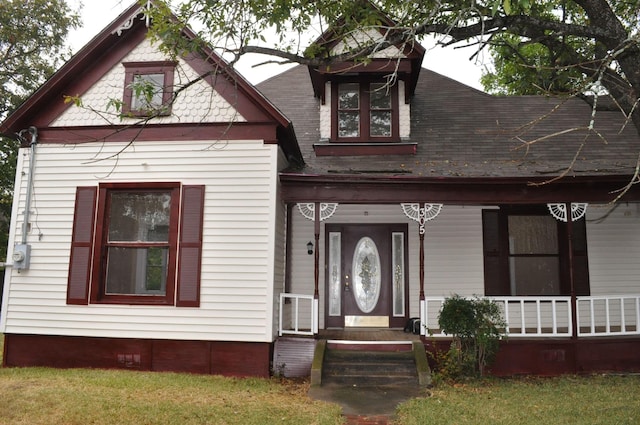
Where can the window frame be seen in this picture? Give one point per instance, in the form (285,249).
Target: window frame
(496,253)
(133,69)
(102,245)
(365,110)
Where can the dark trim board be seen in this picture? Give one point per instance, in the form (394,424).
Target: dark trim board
(204,357)
(552,357)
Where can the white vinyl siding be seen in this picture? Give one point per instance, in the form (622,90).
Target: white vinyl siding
(238,240)
(453,250)
(278,240)
(613,246)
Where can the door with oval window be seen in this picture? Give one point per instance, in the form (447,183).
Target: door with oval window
(366,284)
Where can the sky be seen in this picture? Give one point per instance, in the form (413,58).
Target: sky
(97,14)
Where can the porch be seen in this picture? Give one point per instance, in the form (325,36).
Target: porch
(544,335)
(526,317)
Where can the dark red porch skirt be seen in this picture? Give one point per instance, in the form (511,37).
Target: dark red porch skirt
(205,357)
(548,357)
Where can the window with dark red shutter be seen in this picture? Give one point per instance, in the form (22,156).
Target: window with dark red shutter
(138,244)
(526,252)
(81,246)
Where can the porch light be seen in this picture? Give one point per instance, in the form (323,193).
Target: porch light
(309,247)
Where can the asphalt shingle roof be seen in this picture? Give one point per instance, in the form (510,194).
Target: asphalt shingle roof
(464,132)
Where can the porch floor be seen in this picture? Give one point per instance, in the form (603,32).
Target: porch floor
(367,334)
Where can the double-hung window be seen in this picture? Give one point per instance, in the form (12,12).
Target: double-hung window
(148,88)
(364,112)
(137,243)
(140,242)
(526,253)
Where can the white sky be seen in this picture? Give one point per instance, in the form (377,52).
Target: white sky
(97,14)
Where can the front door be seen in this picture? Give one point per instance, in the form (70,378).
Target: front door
(366,284)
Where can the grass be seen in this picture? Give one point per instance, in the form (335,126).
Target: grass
(105,397)
(52,396)
(565,400)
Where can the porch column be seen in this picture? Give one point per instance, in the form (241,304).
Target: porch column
(570,212)
(422,214)
(572,286)
(422,268)
(316,212)
(316,254)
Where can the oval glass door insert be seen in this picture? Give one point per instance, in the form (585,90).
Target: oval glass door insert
(366,274)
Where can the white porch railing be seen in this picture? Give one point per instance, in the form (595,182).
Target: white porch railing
(608,315)
(529,317)
(299,316)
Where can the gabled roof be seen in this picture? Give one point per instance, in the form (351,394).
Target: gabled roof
(467,136)
(106,50)
(407,67)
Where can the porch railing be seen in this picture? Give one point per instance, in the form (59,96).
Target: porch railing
(298,315)
(608,315)
(529,317)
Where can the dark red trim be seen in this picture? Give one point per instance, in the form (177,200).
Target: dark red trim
(166,68)
(107,50)
(497,255)
(190,249)
(357,346)
(376,66)
(81,246)
(80,73)
(98,294)
(552,356)
(411,63)
(364,111)
(154,132)
(205,357)
(354,188)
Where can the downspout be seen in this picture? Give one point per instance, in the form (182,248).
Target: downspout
(316,268)
(22,252)
(32,163)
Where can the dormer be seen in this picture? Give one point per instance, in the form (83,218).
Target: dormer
(365,103)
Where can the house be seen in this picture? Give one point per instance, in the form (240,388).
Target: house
(205,232)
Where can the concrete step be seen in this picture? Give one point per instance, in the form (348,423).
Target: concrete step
(363,368)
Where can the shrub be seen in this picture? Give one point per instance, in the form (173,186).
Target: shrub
(476,326)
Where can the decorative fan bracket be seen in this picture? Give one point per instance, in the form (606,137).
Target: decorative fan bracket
(421,214)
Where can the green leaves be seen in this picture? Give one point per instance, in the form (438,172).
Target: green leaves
(32,46)
(476,327)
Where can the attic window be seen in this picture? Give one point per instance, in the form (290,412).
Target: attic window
(364,112)
(148,88)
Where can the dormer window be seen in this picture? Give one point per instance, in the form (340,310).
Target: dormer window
(148,88)
(364,112)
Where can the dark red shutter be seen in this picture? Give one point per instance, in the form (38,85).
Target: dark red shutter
(81,246)
(190,246)
(494,283)
(580,259)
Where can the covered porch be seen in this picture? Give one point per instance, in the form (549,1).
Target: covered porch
(592,306)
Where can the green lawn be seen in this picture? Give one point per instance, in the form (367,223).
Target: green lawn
(53,396)
(103,397)
(567,400)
